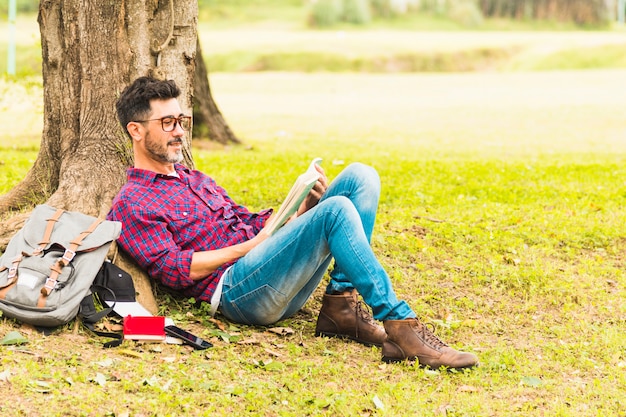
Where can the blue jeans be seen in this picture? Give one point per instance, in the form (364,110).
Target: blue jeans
(275,279)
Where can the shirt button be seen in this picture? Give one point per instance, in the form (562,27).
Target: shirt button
(185,213)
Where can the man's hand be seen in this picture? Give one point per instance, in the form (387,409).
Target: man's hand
(316,192)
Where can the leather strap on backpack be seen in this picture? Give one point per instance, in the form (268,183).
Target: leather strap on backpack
(48,232)
(12,275)
(62,262)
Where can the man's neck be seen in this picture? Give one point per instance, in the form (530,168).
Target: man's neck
(159,168)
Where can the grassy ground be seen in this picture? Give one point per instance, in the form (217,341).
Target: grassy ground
(501,222)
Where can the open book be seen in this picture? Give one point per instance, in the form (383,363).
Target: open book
(296,196)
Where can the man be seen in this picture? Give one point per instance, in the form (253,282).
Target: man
(191,236)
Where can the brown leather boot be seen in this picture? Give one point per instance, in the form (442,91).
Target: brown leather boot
(410,339)
(343,316)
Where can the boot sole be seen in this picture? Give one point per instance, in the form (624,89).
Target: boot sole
(388,359)
(346,337)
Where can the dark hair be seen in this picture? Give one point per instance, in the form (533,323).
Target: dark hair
(134,102)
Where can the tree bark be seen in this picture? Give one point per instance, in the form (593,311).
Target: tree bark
(91,50)
(205,113)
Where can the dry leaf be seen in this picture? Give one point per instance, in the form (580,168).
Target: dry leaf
(5,375)
(468,388)
(248,341)
(219,324)
(273,353)
(282,331)
(130,353)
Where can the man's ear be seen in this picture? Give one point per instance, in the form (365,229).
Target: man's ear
(135,130)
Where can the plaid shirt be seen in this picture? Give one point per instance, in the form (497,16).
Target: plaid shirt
(166,219)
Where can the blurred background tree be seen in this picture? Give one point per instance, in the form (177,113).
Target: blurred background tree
(580,12)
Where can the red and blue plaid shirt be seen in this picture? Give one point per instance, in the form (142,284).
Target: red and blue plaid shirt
(165,219)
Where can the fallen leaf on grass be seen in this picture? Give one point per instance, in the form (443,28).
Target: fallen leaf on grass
(531,381)
(282,331)
(42,387)
(248,341)
(130,353)
(224,336)
(13,338)
(219,324)
(167,385)
(269,365)
(274,366)
(114,327)
(100,379)
(151,382)
(378,403)
(4,375)
(105,363)
(467,388)
(273,353)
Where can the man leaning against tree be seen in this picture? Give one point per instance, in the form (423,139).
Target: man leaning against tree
(188,234)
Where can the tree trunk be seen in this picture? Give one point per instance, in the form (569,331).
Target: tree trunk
(91,51)
(206,115)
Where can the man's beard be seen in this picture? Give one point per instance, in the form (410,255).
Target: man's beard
(162,153)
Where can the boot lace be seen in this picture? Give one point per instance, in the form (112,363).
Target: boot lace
(428,334)
(363,313)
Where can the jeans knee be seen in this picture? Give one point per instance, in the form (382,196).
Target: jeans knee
(338,205)
(366,175)
(339,210)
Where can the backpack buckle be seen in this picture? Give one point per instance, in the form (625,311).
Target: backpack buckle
(12,272)
(51,283)
(68,256)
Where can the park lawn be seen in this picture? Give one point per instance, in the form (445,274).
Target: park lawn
(501,222)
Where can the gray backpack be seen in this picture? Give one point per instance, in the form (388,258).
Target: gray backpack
(50,264)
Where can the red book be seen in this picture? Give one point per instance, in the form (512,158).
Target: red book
(144,328)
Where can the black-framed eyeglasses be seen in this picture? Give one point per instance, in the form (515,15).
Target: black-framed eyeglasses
(168,123)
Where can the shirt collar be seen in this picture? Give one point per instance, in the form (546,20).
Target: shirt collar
(147,177)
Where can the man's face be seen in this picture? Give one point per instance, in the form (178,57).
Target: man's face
(161,146)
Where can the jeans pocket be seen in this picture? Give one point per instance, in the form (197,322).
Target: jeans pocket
(261,306)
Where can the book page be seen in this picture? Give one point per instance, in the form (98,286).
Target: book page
(300,189)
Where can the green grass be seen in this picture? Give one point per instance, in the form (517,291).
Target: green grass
(605,56)
(394,50)
(501,222)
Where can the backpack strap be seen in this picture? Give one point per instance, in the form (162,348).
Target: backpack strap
(62,262)
(48,232)
(12,275)
(89,316)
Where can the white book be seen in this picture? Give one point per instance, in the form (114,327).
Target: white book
(300,189)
